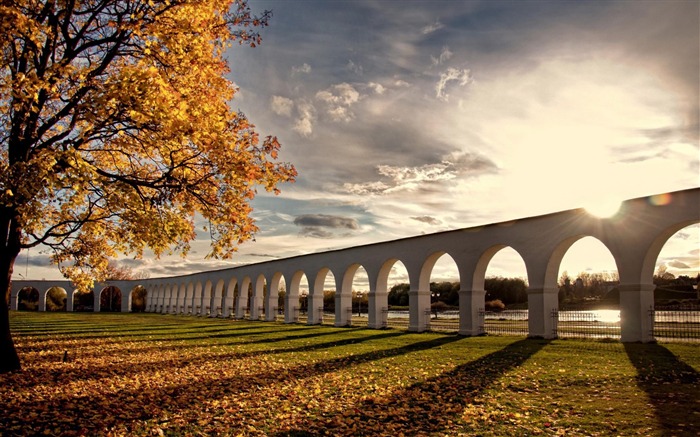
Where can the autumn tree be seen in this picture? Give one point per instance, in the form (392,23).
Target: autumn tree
(116,133)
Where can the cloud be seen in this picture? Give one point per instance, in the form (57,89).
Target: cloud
(376,87)
(338,99)
(430,28)
(427,219)
(303,69)
(678,264)
(304,124)
(321,225)
(462,77)
(326,221)
(282,105)
(456,165)
(445,55)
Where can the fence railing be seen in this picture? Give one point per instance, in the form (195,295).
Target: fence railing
(676,323)
(586,324)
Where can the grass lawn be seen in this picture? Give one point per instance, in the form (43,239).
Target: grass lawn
(150,374)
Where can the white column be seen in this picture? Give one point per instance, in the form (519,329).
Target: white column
(271,302)
(419,310)
(377,307)
(256,303)
(343,308)
(315,307)
(241,303)
(636,312)
(471,312)
(291,306)
(542,304)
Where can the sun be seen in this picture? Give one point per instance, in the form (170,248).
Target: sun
(603,208)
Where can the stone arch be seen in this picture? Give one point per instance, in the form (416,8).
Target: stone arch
(257,303)
(197,299)
(344,296)
(242,301)
(217,299)
(483,263)
(28,299)
(652,254)
(318,296)
(379,293)
(189,299)
(55,299)
(137,299)
(229,298)
(205,302)
(293,298)
(273,301)
(420,298)
(110,299)
(551,278)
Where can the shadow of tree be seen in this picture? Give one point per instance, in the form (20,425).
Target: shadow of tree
(672,385)
(60,375)
(425,407)
(93,412)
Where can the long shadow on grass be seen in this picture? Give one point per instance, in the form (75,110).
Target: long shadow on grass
(86,413)
(425,407)
(60,375)
(673,387)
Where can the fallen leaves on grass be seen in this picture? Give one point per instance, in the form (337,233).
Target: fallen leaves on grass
(274,380)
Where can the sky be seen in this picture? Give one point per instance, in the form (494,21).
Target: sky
(413,117)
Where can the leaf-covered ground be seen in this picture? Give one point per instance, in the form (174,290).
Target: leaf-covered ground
(171,375)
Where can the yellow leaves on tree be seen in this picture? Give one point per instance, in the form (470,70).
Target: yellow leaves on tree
(116,130)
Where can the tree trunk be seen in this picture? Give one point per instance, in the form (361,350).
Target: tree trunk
(9,360)
(9,249)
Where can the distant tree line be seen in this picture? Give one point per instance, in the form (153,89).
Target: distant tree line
(508,291)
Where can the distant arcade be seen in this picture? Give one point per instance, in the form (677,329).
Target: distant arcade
(634,237)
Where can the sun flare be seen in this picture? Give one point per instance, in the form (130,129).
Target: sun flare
(603,208)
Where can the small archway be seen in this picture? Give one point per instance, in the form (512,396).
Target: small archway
(229,299)
(388,302)
(353,292)
(137,299)
(111,300)
(502,275)
(257,298)
(56,299)
(425,302)
(274,301)
(28,299)
(296,297)
(322,297)
(587,290)
(84,301)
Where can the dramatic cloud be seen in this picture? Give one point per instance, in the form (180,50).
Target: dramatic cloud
(326,221)
(282,105)
(457,165)
(321,225)
(427,219)
(461,77)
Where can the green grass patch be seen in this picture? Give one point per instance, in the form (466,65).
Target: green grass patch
(149,374)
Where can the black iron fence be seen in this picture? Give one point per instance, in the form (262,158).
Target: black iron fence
(676,323)
(603,324)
